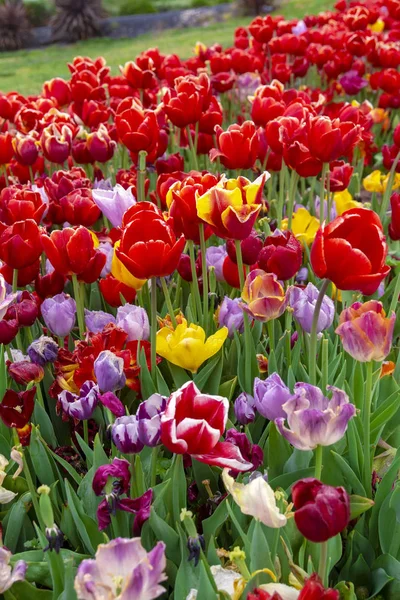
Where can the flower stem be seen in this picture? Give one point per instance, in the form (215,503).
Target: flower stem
(192,149)
(318,462)
(153,468)
(141,176)
(325,169)
(195,283)
(79,306)
(32,490)
(168,301)
(367,429)
(389,186)
(247,332)
(271,335)
(153,328)
(86,432)
(395,296)
(205,276)
(294,178)
(323,559)
(15,281)
(312,357)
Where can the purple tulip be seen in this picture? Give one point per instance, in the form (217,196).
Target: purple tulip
(134,321)
(43,350)
(314,420)
(215,256)
(270,395)
(80,406)
(230,315)
(302,275)
(244,408)
(107,249)
(109,371)
(117,469)
(125,435)
(96,320)
(352,83)
(113,403)
(122,569)
(59,314)
(149,419)
(303,304)
(114,203)
(9,575)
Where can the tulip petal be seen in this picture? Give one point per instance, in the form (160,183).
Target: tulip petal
(225,454)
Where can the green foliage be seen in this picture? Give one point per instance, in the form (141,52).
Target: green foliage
(39,12)
(137,7)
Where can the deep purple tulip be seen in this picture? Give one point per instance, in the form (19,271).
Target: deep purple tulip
(303,304)
(59,314)
(135,572)
(125,435)
(134,321)
(352,83)
(314,420)
(80,406)
(43,350)
(244,408)
(109,371)
(270,395)
(117,469)
(230,315)
(149,419)
(96,320)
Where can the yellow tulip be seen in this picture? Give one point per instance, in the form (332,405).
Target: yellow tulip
(120,272)
(187,346)
(344,201)
(377,27)
(304,226)
(377,181)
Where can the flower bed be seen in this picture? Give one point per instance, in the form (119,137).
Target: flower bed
(199,357)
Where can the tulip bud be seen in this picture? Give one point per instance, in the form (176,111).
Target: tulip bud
(46,509)
(125,435)
(184,268)
(134,321)
(244,408)
(215,256)
(270,395)
(8,331)
(303,303)
(26,149)
(359,505)
(109,371)
(230,315)
(250,247)
(24,372)
(50,284)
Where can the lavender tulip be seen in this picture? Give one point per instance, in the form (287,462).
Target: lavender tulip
(244,408)
(6,298)
(43,350)
(9,576)
(230,315)
(122,569)
(80,406)
(215,256)
(114,203)
(134,321)
(270,395)
(125,435)
(303,304)
(59,314)
(108,250)
(96,320)
(109,371)
(314,420)
(149,419)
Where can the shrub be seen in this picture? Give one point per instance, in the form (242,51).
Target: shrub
(77,20)
(137,7)
(14,25)
(39,12)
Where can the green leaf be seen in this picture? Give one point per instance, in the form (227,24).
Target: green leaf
(179,375)
(335,549)
(359,505)
(260,556)
(42,464)
(385,412)
(168,535)
(22,590)
(383,491)
(87,528)
(209,377)
(146,381)
(286,481)
(227,389)
(42,419)
(351,478)
(15,522)
(213,524)
(203,472)
(186,578)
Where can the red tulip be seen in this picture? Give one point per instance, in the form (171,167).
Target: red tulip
(24,371)
(26,149)
(328,140)
(79,207)
(6,148)
(230,272)
(20,244)
(16,408)
(250,247)
(72,251)
(25,311)
(339,176)
(394,227)
(112,290)
(193,424)
(25,275)
(351,251)
(322,511)
(222,82)
(100,146)
(238,147)
(49,285)
(174,162)
(94,113)
(147,234)
(138,129)
(56,142)
(262,29)
(59,89)
(282,255)
(8,330)
(186,102)
(312,590)
(18,204)
(142,76)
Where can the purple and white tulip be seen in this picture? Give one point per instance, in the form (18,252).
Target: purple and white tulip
(122,570)
(80,406)
(314,420)
(114,203)
(9,576)
(125,435)
(149,419)
(270,395)
(134,321)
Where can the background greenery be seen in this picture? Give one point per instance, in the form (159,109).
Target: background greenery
(26,70)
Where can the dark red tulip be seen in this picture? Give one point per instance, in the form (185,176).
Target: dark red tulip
(281,254)
(16,408)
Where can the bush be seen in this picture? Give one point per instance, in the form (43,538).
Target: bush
(14,25)
(39,12)
(77,20)
(137,7)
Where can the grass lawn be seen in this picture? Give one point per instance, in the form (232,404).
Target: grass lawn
(26,70)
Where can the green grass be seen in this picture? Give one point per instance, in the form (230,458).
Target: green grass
(26,70)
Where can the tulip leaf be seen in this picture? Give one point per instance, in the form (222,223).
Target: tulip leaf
(227,389)
(213,524)
(46,428)
(286,481)
(69,468)
(203,472)
(260,555)
(208,379)
(382,415)
(382,492)
(350,477)
(15,522)
(187,577)
(87,528)
(21,590)
(205,585)
(42,463)
(355,454)
(146,382)
(88,452)
(359,505)
(179,375)
(166,533)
